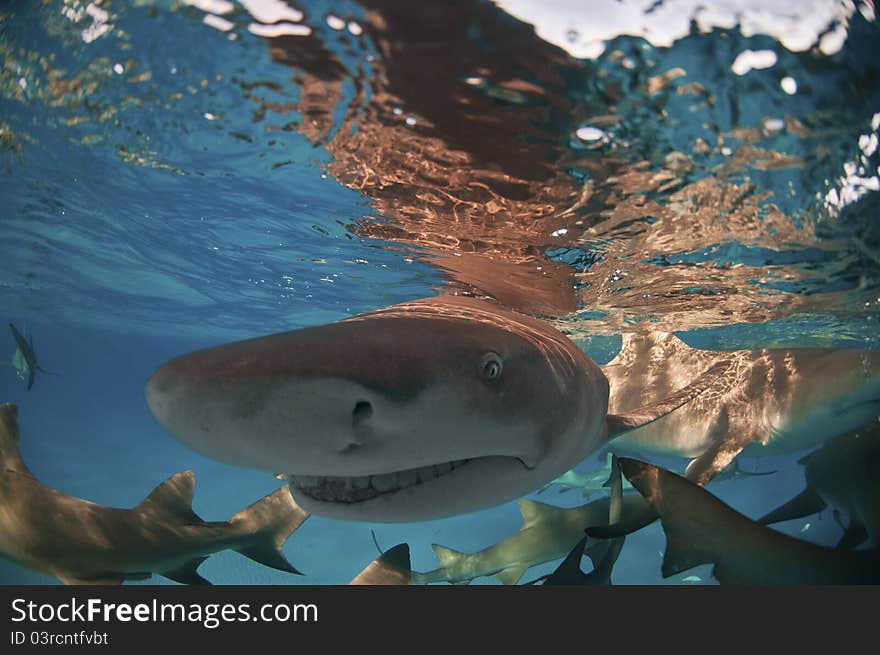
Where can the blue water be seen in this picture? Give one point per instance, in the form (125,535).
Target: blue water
(143,219)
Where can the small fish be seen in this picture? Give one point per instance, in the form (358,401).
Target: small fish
(24,359)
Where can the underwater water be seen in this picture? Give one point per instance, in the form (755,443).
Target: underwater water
(177,175)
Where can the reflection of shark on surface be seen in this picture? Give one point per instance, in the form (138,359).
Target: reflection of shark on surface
(845,475)
(548,533)
(24,359)
(768,402)
(80,542)
(391,568)
(701,529)
(403,413)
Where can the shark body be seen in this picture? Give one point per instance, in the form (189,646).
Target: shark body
(548,533)
(80,542)
(701,529)
(417,411)
(844,474)
(769,401)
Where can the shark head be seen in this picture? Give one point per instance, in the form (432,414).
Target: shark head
(413,412)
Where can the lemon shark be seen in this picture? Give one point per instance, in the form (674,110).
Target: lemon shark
(768,402)
(548,533)
(417,411)
(391,568)
(844,474)
(701,529)
(592,482)
(80,542)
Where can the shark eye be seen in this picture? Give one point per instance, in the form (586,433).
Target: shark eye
(490,366)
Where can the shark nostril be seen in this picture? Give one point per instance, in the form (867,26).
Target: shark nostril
(362,411)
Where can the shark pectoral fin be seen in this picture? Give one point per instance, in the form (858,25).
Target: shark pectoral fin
(615,486)
(446,556)
(855,534)
(714,459)
(270,521)
(569,571)
(173,498)
(391,568)
(188,573)
(511,575)
(109,579)
(804,504)
(620,423)
(702,529)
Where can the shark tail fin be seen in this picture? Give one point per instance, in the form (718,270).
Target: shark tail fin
(173,498)
(447,556)
(271,520)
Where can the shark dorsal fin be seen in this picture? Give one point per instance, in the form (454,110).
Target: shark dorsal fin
(173,498)
(447,556)
(620,423)
(532,511)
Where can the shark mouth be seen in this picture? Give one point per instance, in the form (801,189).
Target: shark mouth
(331,489)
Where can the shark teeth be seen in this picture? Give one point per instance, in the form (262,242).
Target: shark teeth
(358,489)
